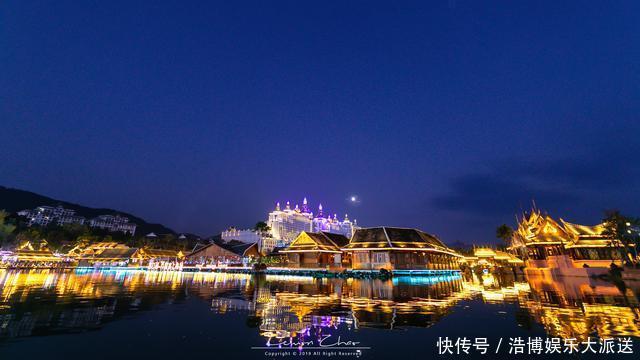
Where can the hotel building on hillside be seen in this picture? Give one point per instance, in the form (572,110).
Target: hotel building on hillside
(45,215)
(394,248)
(113,223)
(549,244)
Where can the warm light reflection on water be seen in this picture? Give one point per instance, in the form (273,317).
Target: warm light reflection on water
(54,302)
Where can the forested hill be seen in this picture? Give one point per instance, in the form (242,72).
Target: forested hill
(14,200)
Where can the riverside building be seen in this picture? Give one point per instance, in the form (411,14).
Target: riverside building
(564,248)
(394,248)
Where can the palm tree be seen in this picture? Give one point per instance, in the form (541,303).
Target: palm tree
(504,232)
(6,229)
(262,226)
(625,229)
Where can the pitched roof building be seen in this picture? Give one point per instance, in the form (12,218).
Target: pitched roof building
(548,243)
(316,250)
(399,248)
(213,254)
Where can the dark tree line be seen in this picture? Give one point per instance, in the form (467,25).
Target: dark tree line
(14,231)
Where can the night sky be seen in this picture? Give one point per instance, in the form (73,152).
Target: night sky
(450,116)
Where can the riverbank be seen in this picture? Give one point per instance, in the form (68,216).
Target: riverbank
(316,273)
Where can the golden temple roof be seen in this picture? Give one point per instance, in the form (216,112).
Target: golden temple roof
(484,252)
(487,253)
(36,255)
(317,242)
(583,230)
(110,254)
(537,228)
(159,253)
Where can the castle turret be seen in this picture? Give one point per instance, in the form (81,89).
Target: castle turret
(305,206)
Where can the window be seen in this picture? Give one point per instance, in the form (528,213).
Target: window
(380,257)
(362,257)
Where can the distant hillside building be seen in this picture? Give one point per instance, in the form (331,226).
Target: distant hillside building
(246,236)
(45,215)
(113,223)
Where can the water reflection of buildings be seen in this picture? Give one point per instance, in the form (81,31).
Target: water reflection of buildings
(48,302)
(44,302)
(287,309)
(578,308)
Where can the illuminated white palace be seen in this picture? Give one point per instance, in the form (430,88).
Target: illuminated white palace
(287,224)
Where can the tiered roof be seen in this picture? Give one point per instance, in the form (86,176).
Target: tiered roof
(317,242)
(159,254)
(487,253)
(244,249)
(539,229)
(36,255)
(588,236)
(39,252)
(392,238)
(111,254)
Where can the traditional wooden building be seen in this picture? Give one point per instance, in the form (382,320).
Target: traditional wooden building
(489,258)
(145,255)
(213,254)
(317,250)
(86,249)
(119,256)
(244,250)
(394,248)
(28,255)
(547,243)
(589,246)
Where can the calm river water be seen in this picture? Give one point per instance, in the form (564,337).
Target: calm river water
(172,315)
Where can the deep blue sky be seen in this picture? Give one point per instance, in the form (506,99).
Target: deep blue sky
(449,116)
